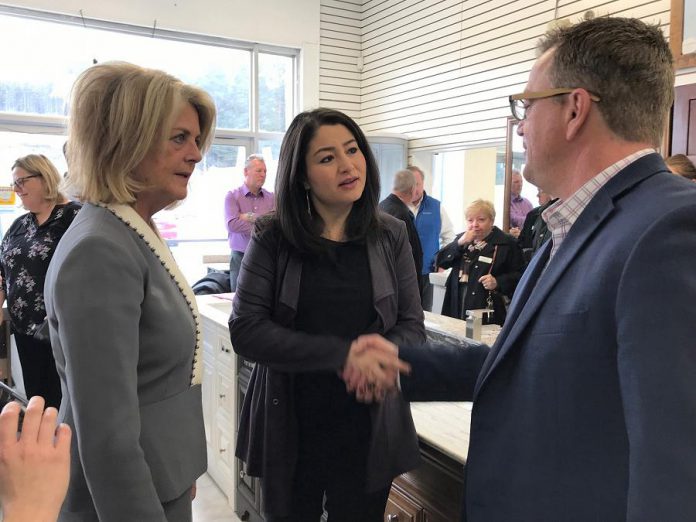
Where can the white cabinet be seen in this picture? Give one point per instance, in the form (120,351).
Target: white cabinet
(219,402)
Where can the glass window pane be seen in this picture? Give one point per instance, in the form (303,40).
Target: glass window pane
(201,215)
(37,78)
(271,151)
(275,92)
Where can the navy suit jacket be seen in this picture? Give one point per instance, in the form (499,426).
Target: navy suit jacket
(585,408)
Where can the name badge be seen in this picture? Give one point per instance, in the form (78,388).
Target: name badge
(484,259)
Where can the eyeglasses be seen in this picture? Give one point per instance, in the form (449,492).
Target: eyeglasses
(520,103)
(19,182)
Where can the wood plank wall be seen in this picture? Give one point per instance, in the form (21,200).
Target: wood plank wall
(440,71)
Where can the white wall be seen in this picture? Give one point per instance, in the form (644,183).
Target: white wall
(440,71)
(278,22)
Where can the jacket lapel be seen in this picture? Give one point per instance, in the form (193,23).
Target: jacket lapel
(537,283)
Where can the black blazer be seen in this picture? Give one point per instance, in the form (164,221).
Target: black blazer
(393,206)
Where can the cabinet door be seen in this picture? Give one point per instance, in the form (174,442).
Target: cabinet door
(208,393)
(402,509)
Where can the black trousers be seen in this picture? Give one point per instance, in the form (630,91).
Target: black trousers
(346,499)
(38,369)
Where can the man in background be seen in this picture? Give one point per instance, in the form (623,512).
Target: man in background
(434,230)
(243,206)
(534,231)
(396,204)
(519,206)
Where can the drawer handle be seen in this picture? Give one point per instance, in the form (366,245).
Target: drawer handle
(222,395)
(222,450)
(392,518)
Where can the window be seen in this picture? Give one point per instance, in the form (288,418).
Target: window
(254,88)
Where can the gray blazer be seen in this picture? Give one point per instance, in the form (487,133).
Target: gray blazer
(123,337)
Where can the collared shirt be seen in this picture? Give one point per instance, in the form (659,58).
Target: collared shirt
(241,201)
(562,215)
(519,208)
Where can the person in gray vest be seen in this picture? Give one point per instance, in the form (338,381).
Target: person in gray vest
(434,228)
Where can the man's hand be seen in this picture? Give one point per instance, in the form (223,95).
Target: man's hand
(372,367)
(514,232)
(34,465)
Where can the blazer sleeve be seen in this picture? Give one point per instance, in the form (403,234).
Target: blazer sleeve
(510,271)
(656,365)
(409,327)
(254,330)
(449,254)
(442,372)
(96,302)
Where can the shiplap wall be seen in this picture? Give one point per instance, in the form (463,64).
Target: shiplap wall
(340,48)
(440,71)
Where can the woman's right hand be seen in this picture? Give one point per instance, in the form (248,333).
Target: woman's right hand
(467,237)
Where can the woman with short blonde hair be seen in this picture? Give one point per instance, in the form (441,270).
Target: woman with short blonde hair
(123,319)
(111,135)
(40,165)
(486,265)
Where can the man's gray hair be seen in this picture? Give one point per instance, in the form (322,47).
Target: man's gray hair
(404,181)
(252,158)
(624,61)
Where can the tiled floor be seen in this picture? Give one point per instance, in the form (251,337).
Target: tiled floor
(210,504)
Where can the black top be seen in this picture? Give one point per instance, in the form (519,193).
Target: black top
(25,253)
(392,205)
(335,299)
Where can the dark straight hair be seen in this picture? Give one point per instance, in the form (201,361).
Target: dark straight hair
(300,229)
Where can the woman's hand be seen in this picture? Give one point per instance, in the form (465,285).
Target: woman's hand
(372,367)
(489,282)
(466,237)
(34,465)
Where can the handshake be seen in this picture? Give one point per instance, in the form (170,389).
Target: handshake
(372,368)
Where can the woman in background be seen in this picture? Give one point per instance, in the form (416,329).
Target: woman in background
(25,252)
(680,164)
(123,320)
(319,274)
(486,265)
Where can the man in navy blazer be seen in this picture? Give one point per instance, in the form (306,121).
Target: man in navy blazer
(585,408)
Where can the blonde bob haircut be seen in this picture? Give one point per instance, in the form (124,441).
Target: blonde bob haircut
(481,206)
(118,113)
(40,165)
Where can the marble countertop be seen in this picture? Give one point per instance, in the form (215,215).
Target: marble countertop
(444,425)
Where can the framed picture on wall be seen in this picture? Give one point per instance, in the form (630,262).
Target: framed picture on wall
(682,33)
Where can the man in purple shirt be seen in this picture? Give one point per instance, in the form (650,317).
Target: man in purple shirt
(519,206)
(242,206)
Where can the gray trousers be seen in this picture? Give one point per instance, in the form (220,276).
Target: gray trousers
(235,266)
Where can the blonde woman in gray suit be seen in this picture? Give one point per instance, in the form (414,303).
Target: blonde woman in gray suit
(123,321)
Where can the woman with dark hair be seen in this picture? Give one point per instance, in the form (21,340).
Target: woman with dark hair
(320,273)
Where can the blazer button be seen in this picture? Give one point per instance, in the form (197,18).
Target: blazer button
(275,402)
(473,293)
